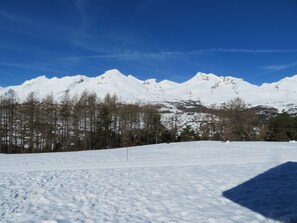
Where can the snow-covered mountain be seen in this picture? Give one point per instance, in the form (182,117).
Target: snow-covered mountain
(206,88)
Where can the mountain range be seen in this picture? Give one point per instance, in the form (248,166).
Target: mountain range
(207,89)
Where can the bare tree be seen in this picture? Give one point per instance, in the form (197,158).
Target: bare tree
(238,120)
(65,115)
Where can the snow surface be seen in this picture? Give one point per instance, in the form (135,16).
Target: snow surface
(177,182)
(207,88)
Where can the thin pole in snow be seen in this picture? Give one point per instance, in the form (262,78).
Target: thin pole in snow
(127,155)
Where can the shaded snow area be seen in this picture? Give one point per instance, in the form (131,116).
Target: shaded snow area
(178,182)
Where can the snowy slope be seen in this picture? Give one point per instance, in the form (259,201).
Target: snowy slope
(112,81)
(211,89)
(179,182)
(283,90)
(206,88)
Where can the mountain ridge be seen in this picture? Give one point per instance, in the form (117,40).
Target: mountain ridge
(208,89)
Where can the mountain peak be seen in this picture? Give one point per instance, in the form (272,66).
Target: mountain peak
(292,78)
(112,73)
(287,84)
(200,76)
(41,78)
(205,76)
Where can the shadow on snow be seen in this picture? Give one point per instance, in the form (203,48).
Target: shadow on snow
(272,194)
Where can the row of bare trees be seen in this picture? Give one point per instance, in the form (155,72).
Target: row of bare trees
(75,123)
(86,122)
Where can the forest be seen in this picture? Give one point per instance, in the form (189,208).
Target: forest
(236,121)
(86,122)
(75,123)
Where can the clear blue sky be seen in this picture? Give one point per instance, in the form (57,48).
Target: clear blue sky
(164,39)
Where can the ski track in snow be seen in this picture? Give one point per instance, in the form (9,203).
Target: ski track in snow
(19,196)
(180,182)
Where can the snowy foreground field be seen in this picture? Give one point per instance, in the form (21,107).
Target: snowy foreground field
(178,182)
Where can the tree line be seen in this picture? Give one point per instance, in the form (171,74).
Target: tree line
(86,122)
(76,123)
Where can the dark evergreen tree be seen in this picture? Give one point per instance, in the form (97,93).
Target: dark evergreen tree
(188,134)
(283,127)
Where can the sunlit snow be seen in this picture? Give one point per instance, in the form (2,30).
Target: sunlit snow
(207,88)
(177,182)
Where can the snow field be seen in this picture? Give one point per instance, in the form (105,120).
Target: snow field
(178,182)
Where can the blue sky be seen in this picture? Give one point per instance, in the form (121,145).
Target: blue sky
(163,39)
